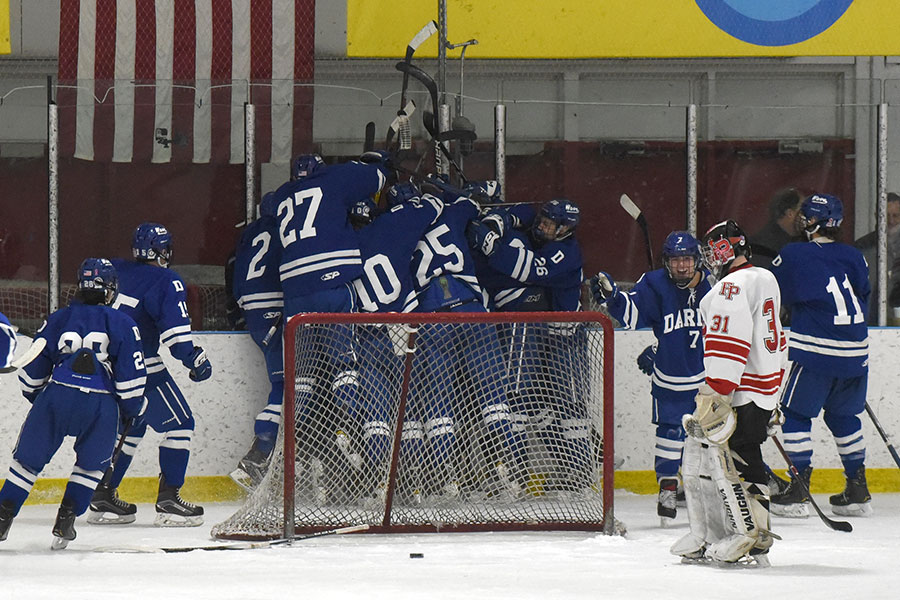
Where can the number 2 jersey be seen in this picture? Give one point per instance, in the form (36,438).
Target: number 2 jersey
(257,286)
(674,315)
(156,298)
(113,338)
(743,342)
(826,285)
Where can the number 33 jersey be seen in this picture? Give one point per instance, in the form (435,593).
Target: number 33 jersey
(826,286)
(743,341)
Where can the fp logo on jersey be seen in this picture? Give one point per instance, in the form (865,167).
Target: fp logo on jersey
(729,290)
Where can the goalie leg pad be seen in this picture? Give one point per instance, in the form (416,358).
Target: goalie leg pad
(706,517)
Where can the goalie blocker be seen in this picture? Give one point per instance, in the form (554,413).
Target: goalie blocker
(370,462)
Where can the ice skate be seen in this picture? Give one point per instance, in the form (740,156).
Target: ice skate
(666,501)
(173,511)
(250,469)
(64,528)
(855,500)
(107,508)
(794,502)
(6,518)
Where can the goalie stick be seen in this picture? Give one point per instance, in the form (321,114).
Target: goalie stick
(883,435)
(795,476)
(37,346)
(632,209)
(234,545)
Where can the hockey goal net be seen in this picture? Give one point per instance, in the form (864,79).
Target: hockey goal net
(440,422)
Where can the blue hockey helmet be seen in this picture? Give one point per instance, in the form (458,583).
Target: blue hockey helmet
(362,213)
(721,244)
(152,242)
(305,165)
(821,211)
(484,191)
(556,221)
(402,192)
(681,244)
(268,207)
(98,274)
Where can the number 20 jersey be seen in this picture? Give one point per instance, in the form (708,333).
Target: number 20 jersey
(743,342)
(826,285)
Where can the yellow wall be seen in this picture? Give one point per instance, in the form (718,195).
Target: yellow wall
(4,27)
(623,28)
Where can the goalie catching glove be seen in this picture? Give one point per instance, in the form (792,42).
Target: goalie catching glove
(713,420)
(199,364)
(603,287)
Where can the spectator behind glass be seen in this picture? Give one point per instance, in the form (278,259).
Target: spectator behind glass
(868,245)
(780,230)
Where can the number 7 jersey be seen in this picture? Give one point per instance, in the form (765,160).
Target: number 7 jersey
(743,342)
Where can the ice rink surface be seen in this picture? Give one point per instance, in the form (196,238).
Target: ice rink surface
(812,561)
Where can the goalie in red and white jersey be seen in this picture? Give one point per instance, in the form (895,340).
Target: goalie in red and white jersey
(744,355)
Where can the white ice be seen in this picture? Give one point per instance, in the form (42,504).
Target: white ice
(812,561)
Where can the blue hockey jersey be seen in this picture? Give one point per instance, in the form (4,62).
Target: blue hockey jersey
(674,316)
(256,283)
(156,298)
(319,247)
(442,264)
(522,276)
(826,286)
(7,341)
(115,343)
(387,245)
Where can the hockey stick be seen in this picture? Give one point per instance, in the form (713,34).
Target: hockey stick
(426,32)
(632,209)
(836,525)
(369,141)
(400,127)
(401,122)
(37,346)
(883,435)
(271,333)
(268,544)
(228,546)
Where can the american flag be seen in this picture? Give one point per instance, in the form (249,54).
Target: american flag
(166,80)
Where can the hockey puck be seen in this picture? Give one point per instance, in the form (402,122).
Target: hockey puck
(416,555)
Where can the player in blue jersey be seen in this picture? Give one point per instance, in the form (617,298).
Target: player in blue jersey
(445,281)
(89,375)
(531,261)
(826,286)
(256,288)
(156,298)
(667,301)
(387,242)
(7,342)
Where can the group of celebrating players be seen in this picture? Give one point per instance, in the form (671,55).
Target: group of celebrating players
(347,237)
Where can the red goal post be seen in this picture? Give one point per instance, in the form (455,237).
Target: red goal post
(440,422)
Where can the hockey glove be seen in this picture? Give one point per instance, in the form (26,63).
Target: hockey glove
(200,367)
(646,359)
(603,287)
(713,420)
(482,237)
(775,421)
(498,221)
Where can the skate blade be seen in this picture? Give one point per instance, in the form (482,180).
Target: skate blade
(853,510)
(758,561)
(59,543)
(109,518)
(170,520)
(790,511)
(243,479)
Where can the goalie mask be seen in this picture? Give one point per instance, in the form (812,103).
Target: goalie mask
(556,221)
(681,257)
(821,213)
(152,242)
(722,244)
(97,276)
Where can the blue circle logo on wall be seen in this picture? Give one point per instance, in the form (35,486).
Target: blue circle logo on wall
(773,22)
